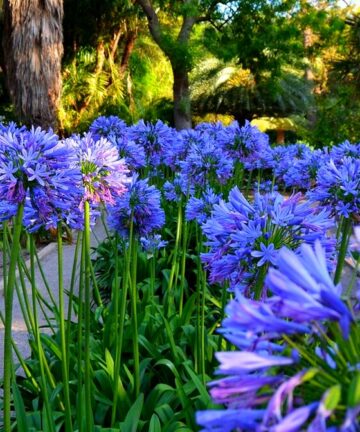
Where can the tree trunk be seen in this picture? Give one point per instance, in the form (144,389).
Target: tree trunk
(182,103)
(280,136)
(33,48)
(128,49)
(309,74)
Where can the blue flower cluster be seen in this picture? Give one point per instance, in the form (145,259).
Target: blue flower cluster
(40,172)
(338,187)
(141,206)
(104,174)
(267,382)
(243,236)
(297,361)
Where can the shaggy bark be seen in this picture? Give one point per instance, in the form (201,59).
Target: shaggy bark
(33,49)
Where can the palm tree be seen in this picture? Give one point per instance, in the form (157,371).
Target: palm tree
(33,49)
(226,88)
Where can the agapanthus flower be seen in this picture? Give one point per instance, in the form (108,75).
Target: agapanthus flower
(115,130)
(265,186)
(298,367)
(296,165)
(142,204)
(154,138)
(246,144)
(206,164)
(301,172)
(111,127)
(39,171)
(345,149)
(152,243)
(214,130)
(178,188)
(338,187)
(174,150)
(199,209)
(104,174)
(243,236)
(133,154)
(11,127)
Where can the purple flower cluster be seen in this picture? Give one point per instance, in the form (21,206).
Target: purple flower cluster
(206,164)
(296,165)
(200,209)
(115,130)
(338,187)
(111,127)
(39,171)
(289,372)
(156,140)
(140,205)
(152,243)
(177,188)
(244,236)
(208,154)
(345,149)
(246,144)
(104,174)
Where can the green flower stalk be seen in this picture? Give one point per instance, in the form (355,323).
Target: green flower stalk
(34,292)
(87,315)
(345,238)
(64,356)
(9,296)
(120,315)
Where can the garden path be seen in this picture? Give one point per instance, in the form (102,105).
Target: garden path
(49,265)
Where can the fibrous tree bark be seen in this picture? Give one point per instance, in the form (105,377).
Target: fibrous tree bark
(33,49)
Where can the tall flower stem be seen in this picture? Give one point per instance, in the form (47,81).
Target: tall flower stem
(239,175)
(202,326)
(170,292)
(48,411)
(5,247)
(153,276)
(200,315)
(273,183)
(71,292)
(224,302)
(260,279)
(259,179)
(120,321)
(80,411)
(346,231)
(248,184)
(54,304)
(21,360)
(87,315)
(64,362)
(183,265)
(115,305)
(9,296)
(27,314)
(135,332)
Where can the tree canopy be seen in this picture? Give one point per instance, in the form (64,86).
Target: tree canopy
(185,60)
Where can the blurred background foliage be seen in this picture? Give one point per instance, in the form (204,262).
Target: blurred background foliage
(291,66)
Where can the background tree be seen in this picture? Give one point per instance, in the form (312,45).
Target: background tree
(33,47)
(174,40)
(111,65)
